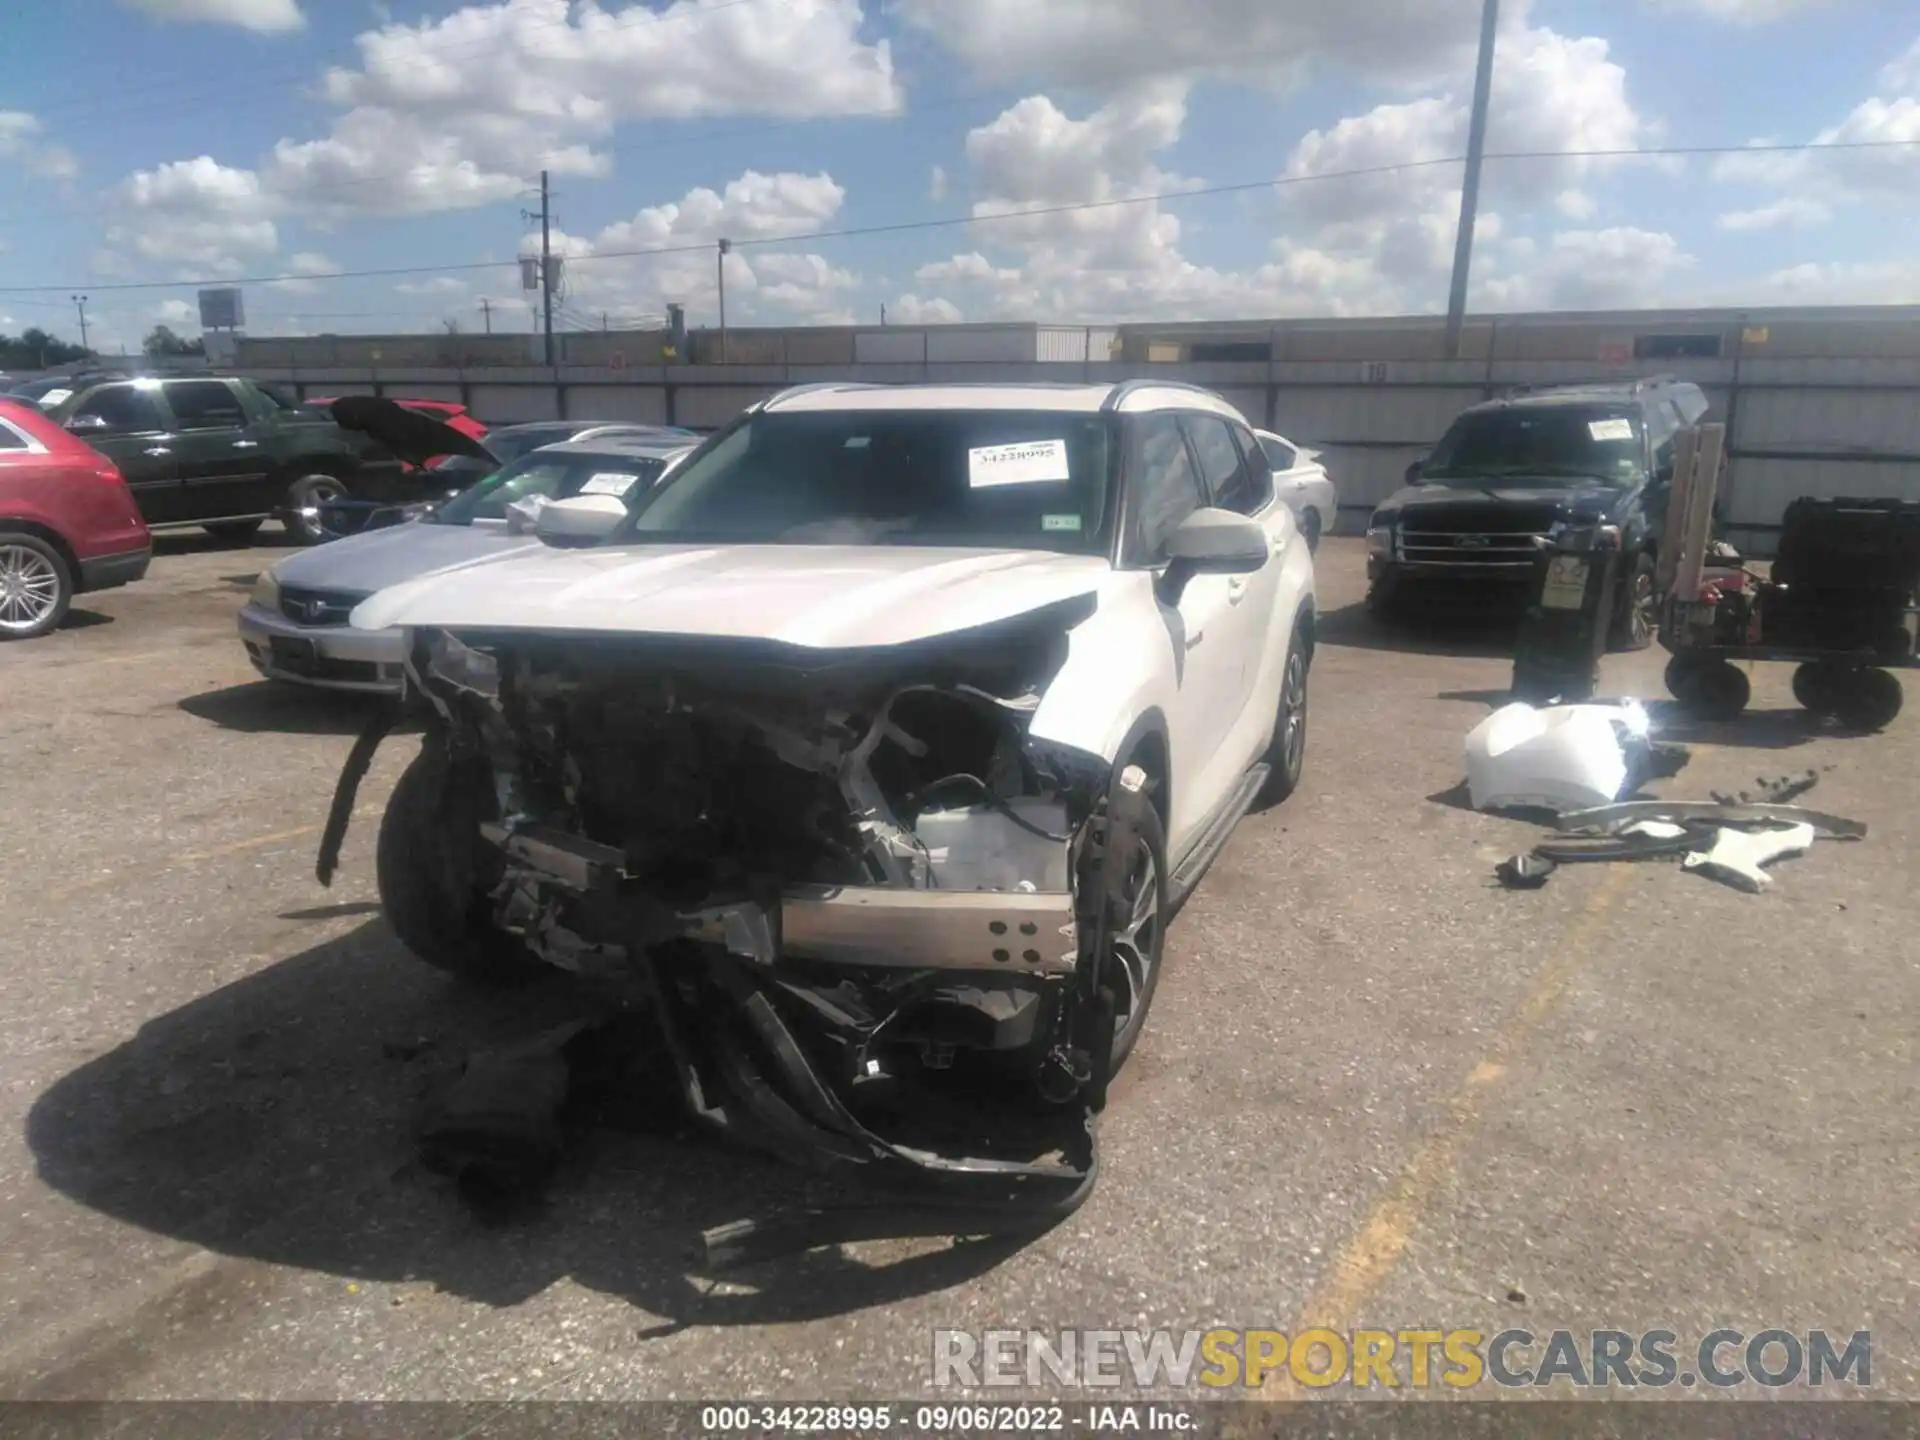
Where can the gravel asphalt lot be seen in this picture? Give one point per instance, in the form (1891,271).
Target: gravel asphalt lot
(1376,1089)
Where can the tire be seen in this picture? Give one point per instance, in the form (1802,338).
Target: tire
(1634,626)
(1814,685)
(1136,825)
(1310,529)
(1286,755)
(1708,689)
(306,493)
(36,587)
(433,871)
(1866,700)
(233,529)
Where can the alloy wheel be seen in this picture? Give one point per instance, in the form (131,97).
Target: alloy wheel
(1293,714)
(29,588)
(1136,944)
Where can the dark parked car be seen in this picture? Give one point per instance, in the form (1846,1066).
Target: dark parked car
(67,523)
(1512,472)
(225,453)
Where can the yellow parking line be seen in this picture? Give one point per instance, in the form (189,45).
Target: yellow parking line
(1367,1259)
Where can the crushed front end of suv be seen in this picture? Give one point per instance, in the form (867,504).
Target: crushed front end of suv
(868,756)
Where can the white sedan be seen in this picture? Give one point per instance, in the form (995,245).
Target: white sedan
(1302,481)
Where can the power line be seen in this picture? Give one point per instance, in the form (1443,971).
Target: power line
(995,217)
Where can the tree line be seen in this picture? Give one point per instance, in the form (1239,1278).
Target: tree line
(37,349)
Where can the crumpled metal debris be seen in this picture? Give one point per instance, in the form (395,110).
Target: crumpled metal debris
(1611,819)
(1736,856)
(1525,872)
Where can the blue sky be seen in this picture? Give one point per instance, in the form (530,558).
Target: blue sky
(171,141)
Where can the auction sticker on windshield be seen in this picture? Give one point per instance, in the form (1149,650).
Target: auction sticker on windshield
(611,482)
(1615,429)
(1031,462)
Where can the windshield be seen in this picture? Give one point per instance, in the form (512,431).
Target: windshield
(511,444)
(552,477)
(1022,480)
(49,393)
(1542,443)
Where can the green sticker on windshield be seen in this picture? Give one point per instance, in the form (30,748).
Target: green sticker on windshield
(1059,522)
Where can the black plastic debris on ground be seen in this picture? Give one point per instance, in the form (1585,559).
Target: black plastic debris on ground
(1525,872)
(1771,792)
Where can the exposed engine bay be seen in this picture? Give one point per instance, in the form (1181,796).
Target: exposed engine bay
(869,912)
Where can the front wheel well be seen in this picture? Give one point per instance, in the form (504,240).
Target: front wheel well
(1148,750)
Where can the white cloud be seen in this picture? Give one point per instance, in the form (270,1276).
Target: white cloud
(459,111)
(913,310)
(208,215)
(1618,268)
(1117,42)
(438,285)
(265,16)
(19,141)
(300,266)
(175,312)
(1891,282)
(1884,169)
(1902,74)
(1791,211)
(1576,204)
(1744,12)
(603,272)
(937,184)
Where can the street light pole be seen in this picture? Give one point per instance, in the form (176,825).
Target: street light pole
(721,262)
(1470,182)
(80,304)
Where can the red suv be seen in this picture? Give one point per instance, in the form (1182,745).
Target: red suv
(67,523)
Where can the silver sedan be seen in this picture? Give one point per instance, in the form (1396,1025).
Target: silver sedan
(296,626)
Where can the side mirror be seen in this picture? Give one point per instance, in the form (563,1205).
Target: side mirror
(87,422)
(1218,542)
(1415,471)
(583,520)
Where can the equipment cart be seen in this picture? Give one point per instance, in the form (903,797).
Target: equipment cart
(1839,603)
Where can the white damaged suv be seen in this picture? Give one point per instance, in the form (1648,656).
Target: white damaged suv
(884,735)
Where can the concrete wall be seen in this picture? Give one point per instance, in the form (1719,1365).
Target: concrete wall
(1816,405)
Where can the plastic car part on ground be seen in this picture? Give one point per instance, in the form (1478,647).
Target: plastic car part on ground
(1736,856)
(1558,758)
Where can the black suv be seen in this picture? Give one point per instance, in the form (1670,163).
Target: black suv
(224,453)
(1512,471)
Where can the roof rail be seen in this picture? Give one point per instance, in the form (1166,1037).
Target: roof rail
(811,385)
(1127,387)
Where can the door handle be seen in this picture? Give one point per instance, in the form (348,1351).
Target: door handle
(156,450)
(246,444)
(1236,591)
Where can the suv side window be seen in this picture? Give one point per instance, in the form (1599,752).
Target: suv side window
(1259,471)
(205,405)
(127,410)
(1165,489)
(1222,465)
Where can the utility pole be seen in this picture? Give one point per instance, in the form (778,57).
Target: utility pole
(725,246)
(486,313)
(1470,182)
(80,303)
(604,327)
(546,263)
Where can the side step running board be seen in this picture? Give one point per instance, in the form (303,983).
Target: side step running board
(1214,838)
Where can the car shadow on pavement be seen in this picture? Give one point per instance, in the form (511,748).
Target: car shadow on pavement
(84,620)
(270,705)
(273,1120)
(1475,633)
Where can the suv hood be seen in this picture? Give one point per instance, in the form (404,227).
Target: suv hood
(819,596)
(1570,499)
(414,437)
